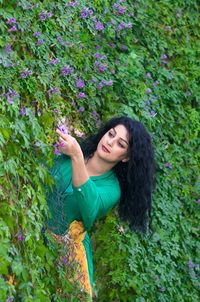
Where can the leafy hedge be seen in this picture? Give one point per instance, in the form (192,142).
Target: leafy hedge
(87,61)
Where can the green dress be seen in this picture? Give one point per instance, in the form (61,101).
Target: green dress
(85,203)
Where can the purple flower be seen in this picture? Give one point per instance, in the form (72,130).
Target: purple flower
(23,74)
(80,83)
(10,299)
(21,237)
(56,110)
(129,25)
(52,91)
(148,75)
(54,61)
(13,28)
(191,264)
(36,33)
(162,289)
(56,150)
(10,100)
(86,12)
(124,47)
(198,201)
(168,28)
(73,3)
(63,128)
(97,55)
(81,95)
(11,21)
(59,39)
(64,260)
(153,113)
(8,48)
(116,5)
(49,14)
(40,42)
(121,10)
(102,68)
(99,26)
(94,115)
(43,16)
(188,93)
(156,83)
(163,56)
(132,14)
(109,83)
(66,70)
(168,165)
(81,109)
(112,45)
(148,90)
(23,111)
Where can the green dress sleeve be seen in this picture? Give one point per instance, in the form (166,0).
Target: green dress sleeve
(95,201)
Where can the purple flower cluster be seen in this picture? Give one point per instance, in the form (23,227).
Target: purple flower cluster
(23,111)
(99,26)
(13,29)
(73,3)
(24,74)
(80,83)
(54,61)
(81,109)
(52,91)
(45,15)
(148,90)
(40,42)
(122,25)
(36,33)
(20,237)
(10,299)
(191,265)
(119,8)
(66,70)
(8,48)
(168,165)
(163,59)
(81,95)
(104,83)
(10,95)
(86,12)
(11,21)
(63,128)
(198,201)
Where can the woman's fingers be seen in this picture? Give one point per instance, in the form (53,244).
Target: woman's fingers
(64,136)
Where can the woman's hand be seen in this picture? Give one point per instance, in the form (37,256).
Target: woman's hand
(68,145)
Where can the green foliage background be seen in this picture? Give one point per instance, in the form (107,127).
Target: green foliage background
(143,62)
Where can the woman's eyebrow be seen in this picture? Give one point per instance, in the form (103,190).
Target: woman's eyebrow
(120,137)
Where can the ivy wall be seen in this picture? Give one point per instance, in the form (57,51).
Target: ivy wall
(87,61)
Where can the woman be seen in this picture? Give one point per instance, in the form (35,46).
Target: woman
(114,166)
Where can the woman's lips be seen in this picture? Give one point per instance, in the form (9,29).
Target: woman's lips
(105,149)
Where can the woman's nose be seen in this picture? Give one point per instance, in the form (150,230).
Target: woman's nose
(110,142)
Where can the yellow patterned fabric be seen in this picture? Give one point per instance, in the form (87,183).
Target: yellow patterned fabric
(76,251)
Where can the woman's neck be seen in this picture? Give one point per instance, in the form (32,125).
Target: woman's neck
(96,166)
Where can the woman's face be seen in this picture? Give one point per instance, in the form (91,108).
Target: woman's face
(113,146)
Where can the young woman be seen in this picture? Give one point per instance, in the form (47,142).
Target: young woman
(115,166)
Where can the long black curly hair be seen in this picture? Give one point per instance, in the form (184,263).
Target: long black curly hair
(136,176)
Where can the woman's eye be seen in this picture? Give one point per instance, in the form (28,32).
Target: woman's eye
(121,145)
(110,134)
